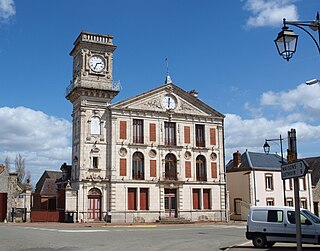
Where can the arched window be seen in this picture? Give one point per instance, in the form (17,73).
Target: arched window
(201,168)
(137,166)
(95,125)
(171,167)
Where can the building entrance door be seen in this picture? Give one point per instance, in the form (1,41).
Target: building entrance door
(170,202)
(94,205)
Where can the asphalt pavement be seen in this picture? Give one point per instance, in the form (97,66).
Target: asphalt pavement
(248,246)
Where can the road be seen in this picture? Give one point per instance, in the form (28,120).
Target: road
(63,237)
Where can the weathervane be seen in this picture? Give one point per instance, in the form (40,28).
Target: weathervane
(168,78)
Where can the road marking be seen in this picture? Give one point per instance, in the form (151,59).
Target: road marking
(131,226)
(68,230)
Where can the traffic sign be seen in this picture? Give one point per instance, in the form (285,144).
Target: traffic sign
(294,170)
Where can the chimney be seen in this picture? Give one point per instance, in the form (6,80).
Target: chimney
(236,159)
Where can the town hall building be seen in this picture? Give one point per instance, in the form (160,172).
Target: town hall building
(157,155)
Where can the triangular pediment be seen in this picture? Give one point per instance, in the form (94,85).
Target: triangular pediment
(154,100)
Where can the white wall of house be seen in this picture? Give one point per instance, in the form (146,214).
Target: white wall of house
(252,189)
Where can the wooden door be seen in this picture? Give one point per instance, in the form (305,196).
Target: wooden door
(170,203)
(94,211)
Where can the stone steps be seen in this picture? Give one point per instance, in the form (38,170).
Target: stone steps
(174,221)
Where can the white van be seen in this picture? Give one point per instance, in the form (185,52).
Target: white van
(270,224)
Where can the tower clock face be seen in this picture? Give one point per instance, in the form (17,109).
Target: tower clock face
(97,63)
(169,102)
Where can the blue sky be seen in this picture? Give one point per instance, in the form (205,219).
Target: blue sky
(223,49)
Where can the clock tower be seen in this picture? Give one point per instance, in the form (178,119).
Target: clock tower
(91,92)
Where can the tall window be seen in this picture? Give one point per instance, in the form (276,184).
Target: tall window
(95,163)
(269,182)
(200,137)
(138,131)
(302,184)
(170,167)
(137,166)
(95,125)
(201,171)
(170,133)
(289,184)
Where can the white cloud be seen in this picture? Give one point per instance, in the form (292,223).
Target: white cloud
(303,100)
(44,141)
(7,10)
(278,113)
(270,12)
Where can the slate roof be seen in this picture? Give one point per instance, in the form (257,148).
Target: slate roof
(257,161)
(314,166)
(46,185)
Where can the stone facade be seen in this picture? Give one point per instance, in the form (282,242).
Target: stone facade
(156,155)
(16,198)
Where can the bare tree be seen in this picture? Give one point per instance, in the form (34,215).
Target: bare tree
(20,168)
(7,163)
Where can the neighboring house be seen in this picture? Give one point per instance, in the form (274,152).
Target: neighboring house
(46,193)
(14,200)
(159,154)
(255,179)
(48,200)
(314,167)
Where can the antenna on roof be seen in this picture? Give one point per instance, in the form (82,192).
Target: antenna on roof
(168,78)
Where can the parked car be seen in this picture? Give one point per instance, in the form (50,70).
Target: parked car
(270,224)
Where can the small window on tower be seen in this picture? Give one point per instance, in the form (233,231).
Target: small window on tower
(95,163)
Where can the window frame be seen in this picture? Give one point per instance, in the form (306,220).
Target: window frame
(269,182)
(268,200)
(95,162)
(200,135)
(138,131)
(170,137)
(138,166)
(201,168)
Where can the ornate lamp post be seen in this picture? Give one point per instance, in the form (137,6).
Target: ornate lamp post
(313,81)
(266,148)
(287,40)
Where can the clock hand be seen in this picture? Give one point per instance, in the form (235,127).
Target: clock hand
(96,65)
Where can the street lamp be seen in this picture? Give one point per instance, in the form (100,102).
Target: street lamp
(286,41)
(313,81)
(266,148)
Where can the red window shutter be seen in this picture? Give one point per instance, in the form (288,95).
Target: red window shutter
(206,198)
(123,167)
(213,140)
(152,132)
(123,129)
(188,169)
(187,134)
(144,199)
(213,170)
(196,198)
(153,168)
(132,199)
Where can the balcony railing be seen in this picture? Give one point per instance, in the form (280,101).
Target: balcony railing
(116,86)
